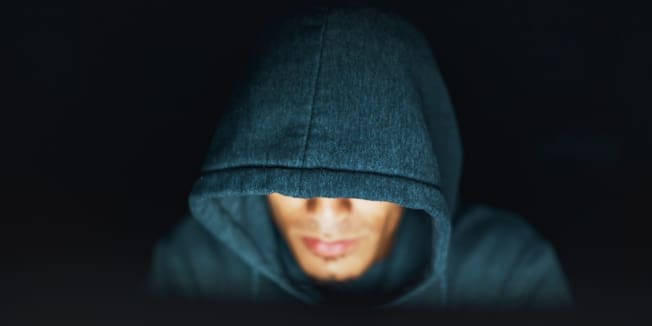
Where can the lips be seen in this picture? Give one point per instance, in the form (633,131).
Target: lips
(329,249)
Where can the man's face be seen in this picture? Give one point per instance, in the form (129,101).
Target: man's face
(335,239)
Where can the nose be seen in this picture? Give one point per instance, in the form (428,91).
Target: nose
(329,208)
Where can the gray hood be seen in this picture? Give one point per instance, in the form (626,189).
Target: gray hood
(345,102)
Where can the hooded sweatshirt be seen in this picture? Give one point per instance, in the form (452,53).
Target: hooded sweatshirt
(349,102)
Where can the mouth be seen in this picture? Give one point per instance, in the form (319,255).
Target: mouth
(329,249)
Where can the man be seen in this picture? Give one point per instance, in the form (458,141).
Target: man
(333,179)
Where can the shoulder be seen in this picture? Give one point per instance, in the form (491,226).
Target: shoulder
(188,236)
(483,225)
(190,262)
(497,256)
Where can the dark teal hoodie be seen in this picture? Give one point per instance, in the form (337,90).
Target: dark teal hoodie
(349,102)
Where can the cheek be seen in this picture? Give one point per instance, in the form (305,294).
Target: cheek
(378,223)
(285,218)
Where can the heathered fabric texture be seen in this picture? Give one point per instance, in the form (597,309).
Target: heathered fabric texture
(346,102)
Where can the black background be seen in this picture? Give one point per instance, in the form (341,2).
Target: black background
(111,106)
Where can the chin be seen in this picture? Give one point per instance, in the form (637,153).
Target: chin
(336,270)
(335,278)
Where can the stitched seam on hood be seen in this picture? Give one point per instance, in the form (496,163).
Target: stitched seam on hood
(314,88)
(243,167)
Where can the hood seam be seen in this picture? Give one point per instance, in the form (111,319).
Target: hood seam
(244,167)
(314,88)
